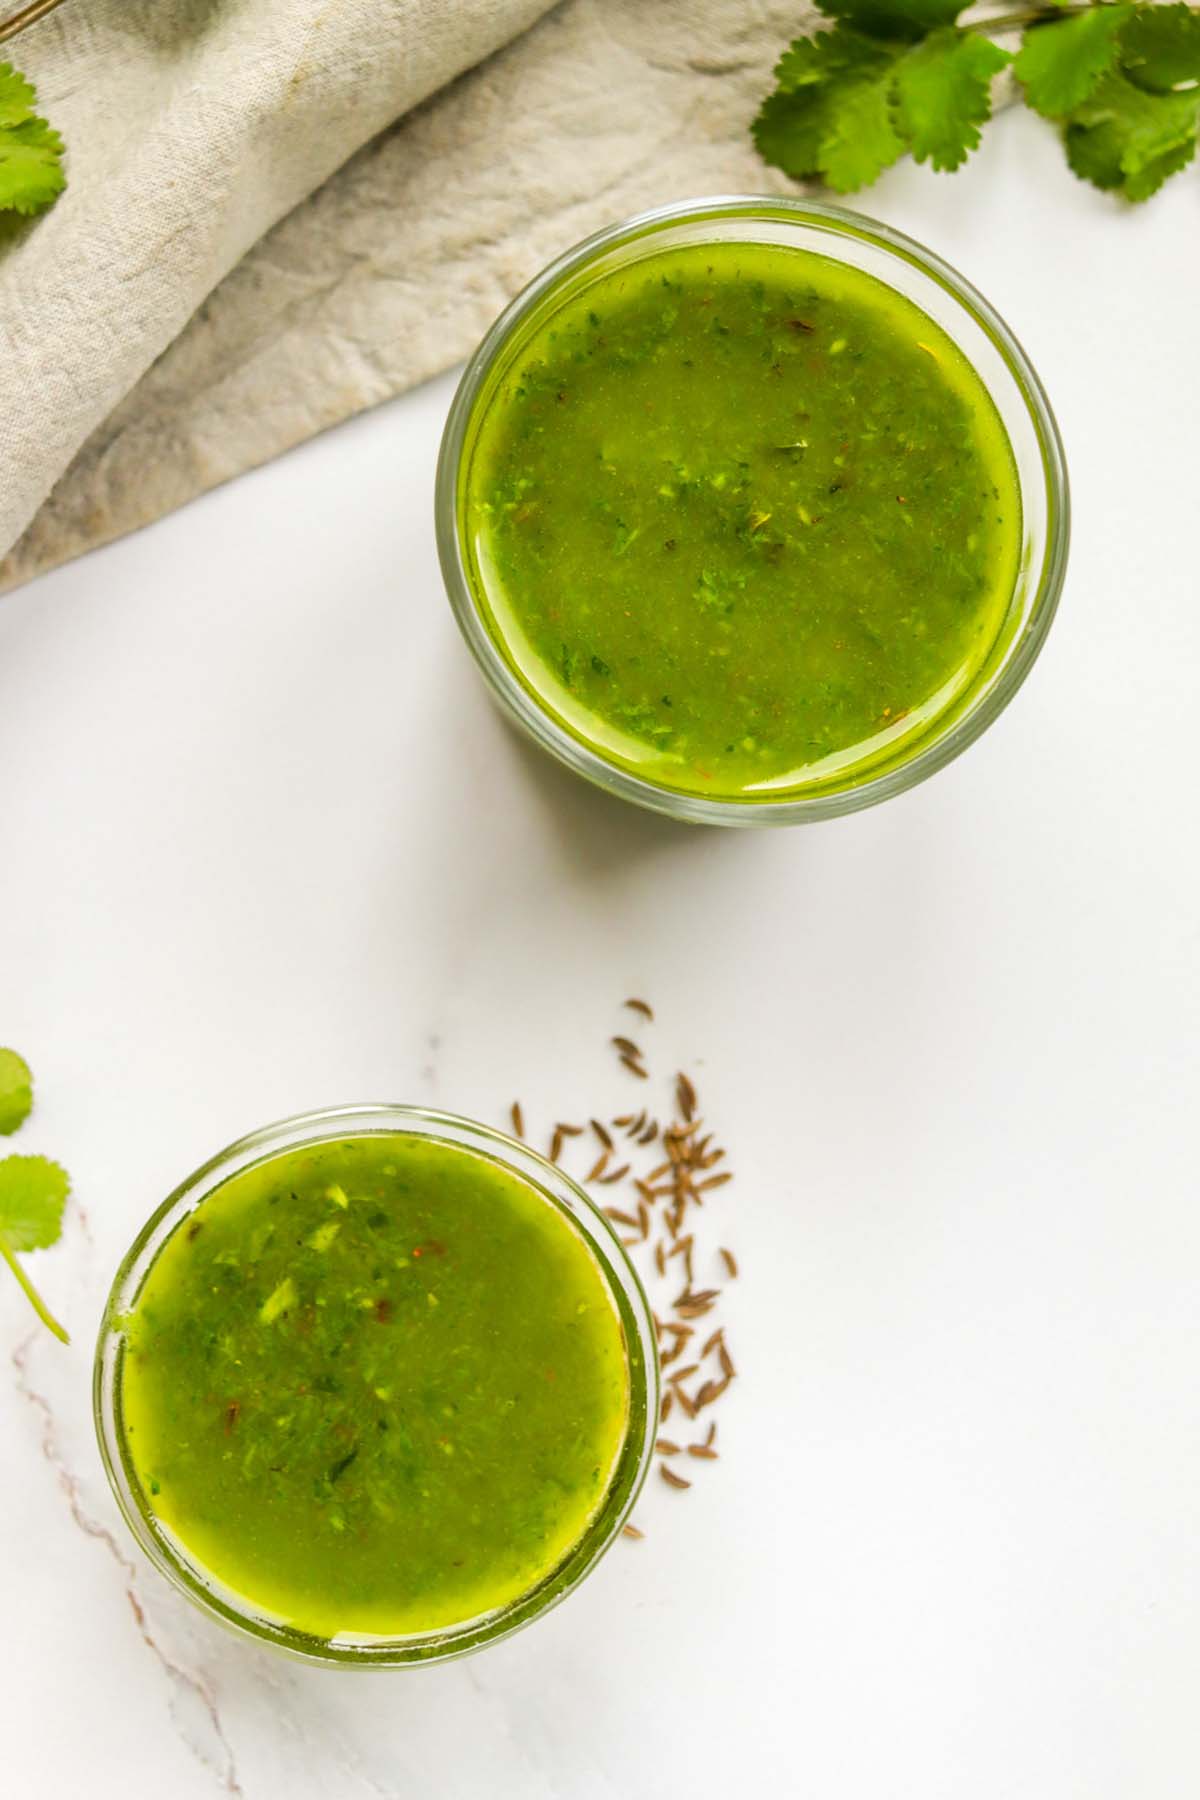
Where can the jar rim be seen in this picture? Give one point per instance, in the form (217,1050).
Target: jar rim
(793,807)
(330,1125)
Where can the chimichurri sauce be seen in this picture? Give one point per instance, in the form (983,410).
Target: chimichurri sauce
(375,1386)
(742,518)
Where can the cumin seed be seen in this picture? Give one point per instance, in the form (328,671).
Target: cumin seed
(703,1452)
(598,1167)
(632,1531)
(627,1047)
(641,1006)
(730,1261)
(635,1068)
(601,1133)
(669,1476)
(518,1119)
(665,1447)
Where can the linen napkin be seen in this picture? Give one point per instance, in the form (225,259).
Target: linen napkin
(225,276)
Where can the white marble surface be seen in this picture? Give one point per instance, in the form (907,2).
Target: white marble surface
(264,845)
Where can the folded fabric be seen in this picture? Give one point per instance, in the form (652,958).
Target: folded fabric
(154,342)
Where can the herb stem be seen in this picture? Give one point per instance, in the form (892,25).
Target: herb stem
(28,15)
(35,1300)
(1029,15)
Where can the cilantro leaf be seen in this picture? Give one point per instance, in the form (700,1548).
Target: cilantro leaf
(830,116)
(16,1091)
(909,19)
(1126,139)
(1160,47)
(943,94)
(33,1192)
(1059,65)
(1120,77)
(31,172)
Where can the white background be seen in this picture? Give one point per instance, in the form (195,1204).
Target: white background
(265,845)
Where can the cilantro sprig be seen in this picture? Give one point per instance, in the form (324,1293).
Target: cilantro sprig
(33,1190)
(896,77)
(31,151)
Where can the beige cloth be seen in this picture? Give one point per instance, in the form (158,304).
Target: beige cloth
(154,342)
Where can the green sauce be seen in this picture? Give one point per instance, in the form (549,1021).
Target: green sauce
(375,1386)
(741,518)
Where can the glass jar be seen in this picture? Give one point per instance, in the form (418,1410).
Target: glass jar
(338,1124)
(977,331)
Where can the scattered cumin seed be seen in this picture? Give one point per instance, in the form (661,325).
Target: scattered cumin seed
(556,1144)
(711,1438)
(627,1047)
(624,1121)
(685,1400)
(714,1340)
(650,1133)
(669,1476)
(616,1175)
(682,1374)
(618,1217)
(726,1362)
(635,1068)
(702,1451)
(685,1093)
(705,1295)
(598,1167)
(632,1531)
(730,1261)
(660,1261)
(601,1133)
(641,1006)
(657,1174)
(644,1220)
(668,1401)
(518,1119)
(569,1130)
(712,1181)
(665,1447)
